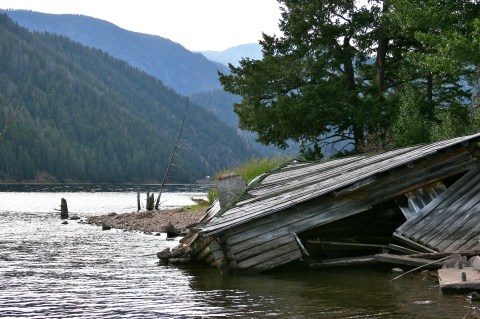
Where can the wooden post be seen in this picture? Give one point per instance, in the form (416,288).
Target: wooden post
(63,209)
(138,200)
(150,201)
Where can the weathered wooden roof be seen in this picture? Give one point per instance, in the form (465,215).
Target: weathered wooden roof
(299,182)
(451,222)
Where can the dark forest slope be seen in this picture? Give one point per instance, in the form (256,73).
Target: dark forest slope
(90,117)
(184,71)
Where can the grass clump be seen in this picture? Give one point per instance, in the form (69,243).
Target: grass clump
(255,167)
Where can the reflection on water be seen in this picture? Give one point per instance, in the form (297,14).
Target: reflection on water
(53,270)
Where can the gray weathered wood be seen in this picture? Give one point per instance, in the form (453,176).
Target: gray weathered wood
(275,262)
(408,261)
(341,262)
(269,255)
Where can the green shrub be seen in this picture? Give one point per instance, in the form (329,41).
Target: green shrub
(256,166)
(212,195)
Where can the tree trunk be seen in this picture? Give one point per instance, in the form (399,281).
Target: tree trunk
(382,49)
(150,201)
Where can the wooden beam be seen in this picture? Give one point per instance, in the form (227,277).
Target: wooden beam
(341,262)
(407,261)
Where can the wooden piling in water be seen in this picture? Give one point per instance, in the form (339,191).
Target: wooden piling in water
(63,209)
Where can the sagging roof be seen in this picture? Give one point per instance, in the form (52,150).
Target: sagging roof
(299,182)
(451,222)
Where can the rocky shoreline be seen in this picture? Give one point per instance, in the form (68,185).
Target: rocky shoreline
(165,221)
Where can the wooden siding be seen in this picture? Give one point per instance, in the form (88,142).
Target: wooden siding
(451,222)
(259,231)
(290,187)
(419,198)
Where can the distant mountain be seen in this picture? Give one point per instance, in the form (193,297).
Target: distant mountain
(235,54)
(184,71)
(188,73)
(90,117)
(220,103)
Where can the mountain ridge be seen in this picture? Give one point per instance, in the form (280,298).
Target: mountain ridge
(89,117)
(184,71)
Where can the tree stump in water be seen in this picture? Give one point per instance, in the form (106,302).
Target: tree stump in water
(63,209)
(150,201)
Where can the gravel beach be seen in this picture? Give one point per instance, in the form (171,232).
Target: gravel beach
(150,221)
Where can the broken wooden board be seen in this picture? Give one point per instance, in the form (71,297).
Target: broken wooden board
(407,261)
(451,281)
(337,262)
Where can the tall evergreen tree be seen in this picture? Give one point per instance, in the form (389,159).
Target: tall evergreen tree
(339,70)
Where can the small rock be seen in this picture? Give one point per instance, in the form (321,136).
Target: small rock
(65,223)
(172,231)
(164,254)
(106,227)
(74,218)
(473,296)
(397,270)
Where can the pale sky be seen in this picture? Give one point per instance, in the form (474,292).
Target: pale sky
(198,25)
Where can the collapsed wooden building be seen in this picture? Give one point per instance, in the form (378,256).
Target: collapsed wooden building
(424,198)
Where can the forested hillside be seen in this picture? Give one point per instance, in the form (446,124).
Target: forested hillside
(87,116)
(184,71)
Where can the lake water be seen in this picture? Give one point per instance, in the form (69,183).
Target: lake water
(79,271)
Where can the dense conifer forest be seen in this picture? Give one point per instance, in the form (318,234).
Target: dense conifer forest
(184,71)
(86,116)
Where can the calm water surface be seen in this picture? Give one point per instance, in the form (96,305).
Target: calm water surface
(79,271)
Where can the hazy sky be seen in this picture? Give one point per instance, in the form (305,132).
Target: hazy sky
(196,24)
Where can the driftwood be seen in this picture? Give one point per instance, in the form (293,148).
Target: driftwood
(420,267)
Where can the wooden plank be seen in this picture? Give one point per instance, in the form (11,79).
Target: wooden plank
(278,203)
(200,243)
(445,222)
(402,249)
(412,243)
(319,215)
(211,248)
(275,262)
(300,245)
(345,244)
(269,255)
(407,261)
(419,198)
(271,218)
(468,235)
(461,231)
(342,262)
(263,247)
(449,196)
